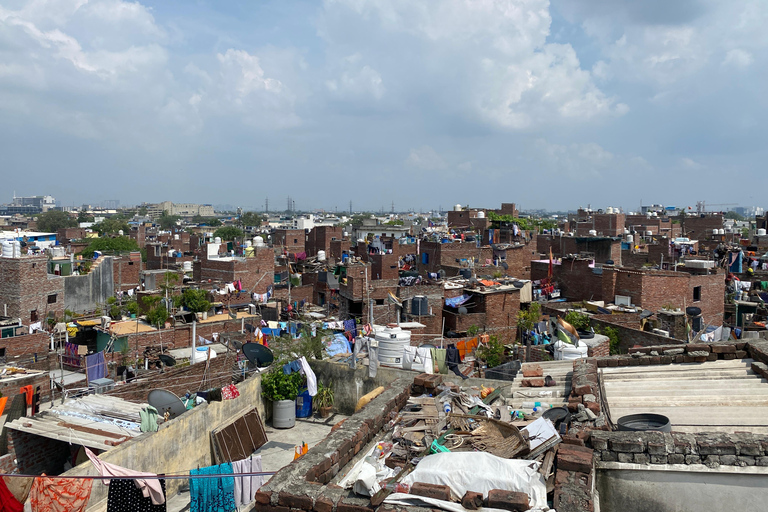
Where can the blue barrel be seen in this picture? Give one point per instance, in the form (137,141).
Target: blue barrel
(303,404)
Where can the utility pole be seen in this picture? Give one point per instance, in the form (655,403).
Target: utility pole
(350,207)
(266,205)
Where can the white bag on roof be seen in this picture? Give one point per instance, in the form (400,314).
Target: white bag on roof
(481,472)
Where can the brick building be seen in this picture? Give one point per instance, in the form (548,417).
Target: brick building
(320,237)
(492,309)
(603,224)
(290,240)
(657,226)
(256,272)
(467,219)
(28,291)
(127,270)
(436,256)
(700,225)
(601,249)
(577,278)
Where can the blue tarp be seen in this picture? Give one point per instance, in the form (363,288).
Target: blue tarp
(338,345)
(455,302)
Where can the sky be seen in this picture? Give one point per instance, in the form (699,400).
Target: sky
(426,104)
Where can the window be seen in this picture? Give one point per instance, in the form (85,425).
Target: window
(295,240)
(33,316)
(379,302)
(696,293)
(52,298)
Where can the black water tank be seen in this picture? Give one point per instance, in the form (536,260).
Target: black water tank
(692,311)
(465,273)
(419,305)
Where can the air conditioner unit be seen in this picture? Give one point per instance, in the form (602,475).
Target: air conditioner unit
(101,385)
(661,332)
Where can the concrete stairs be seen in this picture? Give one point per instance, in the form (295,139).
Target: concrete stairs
(716,396)
(561,371)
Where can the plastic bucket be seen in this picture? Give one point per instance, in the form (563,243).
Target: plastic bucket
(284,414)
(303,404)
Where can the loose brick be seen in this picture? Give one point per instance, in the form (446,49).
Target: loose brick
(263,497)
(508,500)
(323,504)
(438,492)
(723,349)
(472,500)
(532,370)
(535,382)
(574,458)
(302,502)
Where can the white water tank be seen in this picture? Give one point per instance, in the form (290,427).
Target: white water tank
(171,253)
(592,232)
(187,266)
(761,232)
(320,255)
(457,207)
(258,241)
(392,340)
(481,214)
(630,239)
(217,240)
(247,243)
(649,233)
(609,209)
(176,237)
(120,232)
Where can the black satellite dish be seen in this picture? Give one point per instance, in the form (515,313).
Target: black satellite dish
(167,360)
(165,401)
(258,354)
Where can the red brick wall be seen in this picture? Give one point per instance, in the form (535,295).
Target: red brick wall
(26,346)
(576,279)
(25,286)
(319,239)
(37,454)
(126,271)
(603,249)
(292,240)
(256,272)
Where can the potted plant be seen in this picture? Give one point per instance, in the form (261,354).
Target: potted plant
(323,400)
(282,390)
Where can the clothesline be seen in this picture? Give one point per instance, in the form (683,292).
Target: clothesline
(142,477)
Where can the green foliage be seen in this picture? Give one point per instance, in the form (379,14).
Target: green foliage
(613,335)
(394,222)
(324,396)
(53,220)
(157,313)
(115,311)
(166,221)
(357,219)
(472,330)
(195,300)
(527,318)
(142,211)
(251,219)
(83,216)
(733,215)
(112,225)
(132,307)
(527,224)
(492,353)
(286,349)
(228,233)
(208,221)
(578,320)
(276,385)
(118,244)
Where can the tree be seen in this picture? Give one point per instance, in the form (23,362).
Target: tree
(228,233)
(157,313)
(733,215)
(195,300)
(143,211)
(83,216)
(208,221)
(112,225)
(167,221)
(118,244)
(54,220)
(251,219)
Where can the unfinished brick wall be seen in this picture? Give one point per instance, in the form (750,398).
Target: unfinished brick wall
(630,335)
(290,240)
(126,271)
(603,249)
(26,346)
(256,273)
(37,454)
(28,290)
(319,239)
(181,335)
(576,279)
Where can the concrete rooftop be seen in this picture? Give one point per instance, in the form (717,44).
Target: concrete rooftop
(716,396)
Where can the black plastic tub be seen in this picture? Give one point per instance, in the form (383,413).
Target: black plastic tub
(644,422)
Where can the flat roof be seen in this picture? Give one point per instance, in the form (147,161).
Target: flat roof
(715,396)
(91,420)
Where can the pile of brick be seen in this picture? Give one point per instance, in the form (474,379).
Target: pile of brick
(533,376)
(585,389)
(426,383)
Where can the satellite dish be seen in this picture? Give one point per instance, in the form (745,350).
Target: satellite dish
(167,360)
(258,354)
(462,310)
(504,265)
(441,273)
(518,284)
(165,401)
(646,313)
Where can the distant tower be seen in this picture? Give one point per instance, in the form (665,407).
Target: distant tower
(350,207)
(266,205)
(393,207)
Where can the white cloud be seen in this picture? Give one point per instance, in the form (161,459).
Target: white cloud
(487,60)
(583,161)
(690,164)
(425,158)
(356,80)
(738,57)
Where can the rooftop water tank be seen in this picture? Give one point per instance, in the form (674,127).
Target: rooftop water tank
(649,233)
(120,232)
(630,239)
(392,340)
(176,237)
(320,255)
(419,305)
(481,214)
(187,266)
(592,232)
(258,241)
(761,232)
(247,243)
(457,207)
(217,240)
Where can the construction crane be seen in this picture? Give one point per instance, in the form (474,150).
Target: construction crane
(701,207)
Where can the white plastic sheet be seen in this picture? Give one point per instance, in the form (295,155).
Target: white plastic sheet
(481,472)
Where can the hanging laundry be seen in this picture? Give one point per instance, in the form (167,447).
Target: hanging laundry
(124,496)
(95,366)
(147,487)
(19,487)
(60,494)
(212,494)
(230,392)
(246,486)
(148,417)
(350,327)
(29,392)
(310,375)
(8,502)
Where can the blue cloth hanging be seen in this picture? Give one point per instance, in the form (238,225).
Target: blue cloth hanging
(212,494)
